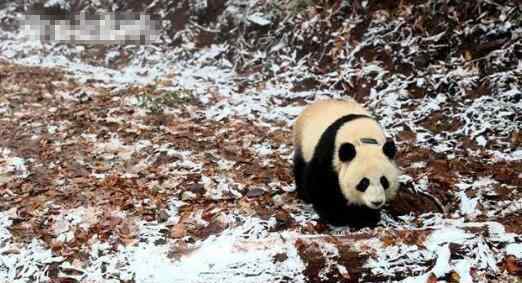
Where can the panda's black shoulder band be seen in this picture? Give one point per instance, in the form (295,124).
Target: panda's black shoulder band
(345,119)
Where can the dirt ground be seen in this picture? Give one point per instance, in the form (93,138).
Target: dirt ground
(173,163)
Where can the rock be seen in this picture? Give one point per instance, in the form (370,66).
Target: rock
(259,19)
(255,193)
(163,216)
(188,195)
(197,188)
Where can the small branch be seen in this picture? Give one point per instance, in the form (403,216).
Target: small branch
(439,204)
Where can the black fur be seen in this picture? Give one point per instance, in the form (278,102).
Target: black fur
(318,183)
(347,152)
(384,182)
(363,185)
(389,149)
(299,169)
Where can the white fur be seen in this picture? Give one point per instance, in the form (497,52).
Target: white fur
(369,162)
(316,118)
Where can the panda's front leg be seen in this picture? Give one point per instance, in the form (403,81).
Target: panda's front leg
(340,214)
(299,175)
(333,213)
(326,197)
(331,205)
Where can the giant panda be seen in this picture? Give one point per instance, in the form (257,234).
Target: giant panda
(343,164)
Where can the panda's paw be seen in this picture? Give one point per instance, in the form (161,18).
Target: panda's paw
(303,195)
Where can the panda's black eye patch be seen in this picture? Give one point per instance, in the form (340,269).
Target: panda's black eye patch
(346,152)
(384,182)
(363,185)
(389,149)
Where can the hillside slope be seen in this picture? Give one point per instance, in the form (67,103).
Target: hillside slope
(171,162)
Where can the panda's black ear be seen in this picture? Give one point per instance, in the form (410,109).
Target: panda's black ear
(346,152)
(389,149)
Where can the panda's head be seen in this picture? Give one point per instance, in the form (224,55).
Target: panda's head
(367,173)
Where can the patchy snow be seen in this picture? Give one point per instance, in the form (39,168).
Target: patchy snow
(263,149)
(330,251)
(417,279)
(421,184)
(265,92)
(259,19)
(221,187)
(392,260)
(463,268)
(510,207)
(242,260)
(468,206)
(22,263)
(420,164)
(11,166)
(51,3)
(26,263)
(67,222)
(511,156)
(515,250)
(5,222)
(396,259)
(443,257)
(264,104)
(114,148)
(448,234)
(241,254)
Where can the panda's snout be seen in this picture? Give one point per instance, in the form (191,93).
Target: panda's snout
(377,204)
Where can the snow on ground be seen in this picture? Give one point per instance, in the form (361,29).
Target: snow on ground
(22,263)
(166,164)
(225,257)
(11,167)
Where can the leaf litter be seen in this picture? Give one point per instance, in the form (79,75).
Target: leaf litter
(157,164)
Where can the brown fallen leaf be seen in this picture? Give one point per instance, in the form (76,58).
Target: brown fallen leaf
(389,240)
(454,277)
(512,265)
(432,278)
(407,135)
(178,231)
(516,138)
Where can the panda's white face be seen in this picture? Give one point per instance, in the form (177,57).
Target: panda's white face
(369,179)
